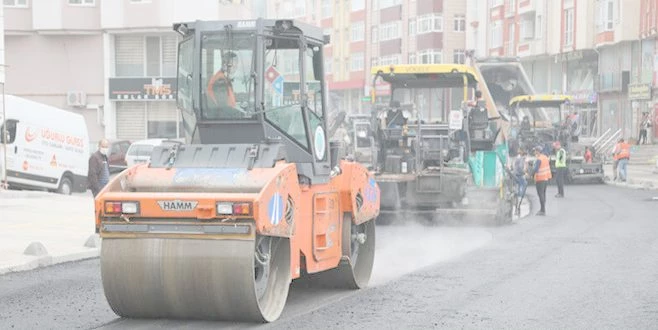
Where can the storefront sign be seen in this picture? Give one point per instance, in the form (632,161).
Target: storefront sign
(583,96)
(143,89)
(639,91)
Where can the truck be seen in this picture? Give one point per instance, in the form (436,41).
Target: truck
(43,147)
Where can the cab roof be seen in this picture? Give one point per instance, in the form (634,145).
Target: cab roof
(419,75)
(539,100)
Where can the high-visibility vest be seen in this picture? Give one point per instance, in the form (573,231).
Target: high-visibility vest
(544,171)
(219,77)
(561,159)
(624,151)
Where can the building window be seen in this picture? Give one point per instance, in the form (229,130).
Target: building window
(607,15)
(389,31)
(357,62)
(300,8)
(15,3)
(326,8)
(390,59)
(510,8)
(374,61)
(81,2)
(539,27)
(496,35)
(358,5)
(375,34)
(358,31)
(430,56)
(412,27)
(388,3)
(495,3)
(458,56)
(412,58)
(511,41)
(430,23)
(527,29)
(460,23)
(327,66)
(145,56)
(568,27)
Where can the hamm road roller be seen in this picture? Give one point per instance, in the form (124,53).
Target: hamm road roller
(218,228)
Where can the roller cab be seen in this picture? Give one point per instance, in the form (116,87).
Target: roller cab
(219,227)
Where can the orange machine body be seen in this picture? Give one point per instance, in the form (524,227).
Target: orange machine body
(270,201)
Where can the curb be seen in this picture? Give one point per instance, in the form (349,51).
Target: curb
(46,259)
(631,184)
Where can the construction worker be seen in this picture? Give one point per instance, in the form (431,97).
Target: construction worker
(560,167)
(623,154)
(220,88)
(542,173)
(588,155)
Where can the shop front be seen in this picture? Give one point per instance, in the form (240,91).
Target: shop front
(641,103)
(145,108)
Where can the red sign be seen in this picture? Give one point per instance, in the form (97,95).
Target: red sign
(271,74)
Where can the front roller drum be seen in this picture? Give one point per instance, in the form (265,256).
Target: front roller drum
(233,280)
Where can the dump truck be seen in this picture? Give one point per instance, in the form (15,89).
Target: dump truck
(527,133)
(218,228)
(420,145)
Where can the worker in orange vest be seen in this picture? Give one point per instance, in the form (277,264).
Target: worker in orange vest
(220,88)
(622,154)
(542,173)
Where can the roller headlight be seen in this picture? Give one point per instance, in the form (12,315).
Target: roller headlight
(224,208)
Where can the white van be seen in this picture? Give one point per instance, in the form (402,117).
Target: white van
(140,151)
(46,147)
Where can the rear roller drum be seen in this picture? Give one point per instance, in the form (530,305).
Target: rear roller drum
(234,280)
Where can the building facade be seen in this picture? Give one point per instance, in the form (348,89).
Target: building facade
(592,50)
(114,62)
(366,33)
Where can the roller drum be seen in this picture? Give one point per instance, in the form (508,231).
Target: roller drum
(194,278)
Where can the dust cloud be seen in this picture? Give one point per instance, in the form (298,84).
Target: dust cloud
(402,249)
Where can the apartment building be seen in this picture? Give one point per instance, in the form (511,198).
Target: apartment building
(113,61)
(649,60)
(589,49)
(365,33)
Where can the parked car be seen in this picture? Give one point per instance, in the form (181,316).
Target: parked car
(140,151)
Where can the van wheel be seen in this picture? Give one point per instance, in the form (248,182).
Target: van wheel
(65,186)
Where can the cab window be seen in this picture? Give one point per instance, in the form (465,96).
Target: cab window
(282,94)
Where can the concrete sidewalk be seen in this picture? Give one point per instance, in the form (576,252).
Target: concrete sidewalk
(639,177)
(41,229)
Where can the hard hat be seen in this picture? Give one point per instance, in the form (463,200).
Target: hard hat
(556,144)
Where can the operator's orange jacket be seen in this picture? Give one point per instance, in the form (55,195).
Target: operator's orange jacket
(220,78)
(544,171)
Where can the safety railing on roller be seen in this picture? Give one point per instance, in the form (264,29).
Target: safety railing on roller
(605,143)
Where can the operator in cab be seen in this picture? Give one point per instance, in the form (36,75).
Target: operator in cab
(395,116)
(220,86)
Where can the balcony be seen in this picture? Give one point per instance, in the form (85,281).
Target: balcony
(527,6)
(530,48)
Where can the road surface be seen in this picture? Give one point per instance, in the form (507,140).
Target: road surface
(591,263)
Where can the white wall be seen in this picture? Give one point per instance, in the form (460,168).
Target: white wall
(476,38)
(2,45)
